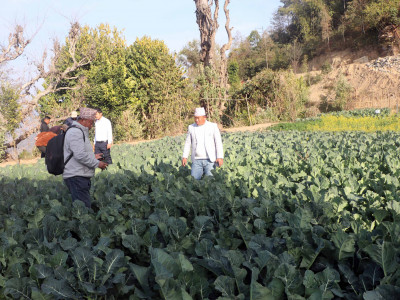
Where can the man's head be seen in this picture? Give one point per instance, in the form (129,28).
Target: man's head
(74,115)
(200,116)
(99,113)
(46,119)
(87,117)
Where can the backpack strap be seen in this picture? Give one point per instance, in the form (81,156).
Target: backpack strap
(83,134)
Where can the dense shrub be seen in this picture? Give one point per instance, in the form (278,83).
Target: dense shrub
(281,91)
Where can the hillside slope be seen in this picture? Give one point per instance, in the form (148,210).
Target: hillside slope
(375,81)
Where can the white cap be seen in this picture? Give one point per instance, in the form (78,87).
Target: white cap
(74,114)
(199,112)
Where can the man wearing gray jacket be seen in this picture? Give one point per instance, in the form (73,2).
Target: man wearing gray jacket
(204,140)
(81,167)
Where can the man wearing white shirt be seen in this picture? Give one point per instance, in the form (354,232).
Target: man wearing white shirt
(103,138)
(204,140)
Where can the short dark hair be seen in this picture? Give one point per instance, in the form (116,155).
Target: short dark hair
(47,117)
(99,110)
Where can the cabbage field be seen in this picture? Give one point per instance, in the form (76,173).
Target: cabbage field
(290,215)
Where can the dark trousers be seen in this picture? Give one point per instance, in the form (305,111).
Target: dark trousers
(79,188)
(42,150)
(101,147)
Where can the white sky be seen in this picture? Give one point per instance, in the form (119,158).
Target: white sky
(173,21)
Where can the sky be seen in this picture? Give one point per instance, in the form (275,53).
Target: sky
(173,21)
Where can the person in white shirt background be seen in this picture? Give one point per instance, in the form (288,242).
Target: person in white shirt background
(103,138)
(204,140)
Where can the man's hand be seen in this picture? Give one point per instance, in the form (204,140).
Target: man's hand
(184,162)
(102,165)
(109,146)
(99,156)
(220,162)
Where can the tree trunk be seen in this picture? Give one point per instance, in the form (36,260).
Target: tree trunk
(223,74)
(208,26)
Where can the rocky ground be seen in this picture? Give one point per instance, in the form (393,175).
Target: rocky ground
(388,64)
(374,80)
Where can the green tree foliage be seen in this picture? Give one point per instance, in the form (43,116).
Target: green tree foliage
(141,80)
(313,22)
(107,82)
(382,13)
(10,113)
(189,56)
(253,54)
(103,82)
(9,107)
(159,85)
(206,83)
(306,20)
(2,143)
(356,15)
(280,91)
(233,75)
(254,39)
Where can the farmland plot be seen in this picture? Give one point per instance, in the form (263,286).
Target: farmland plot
(289,216)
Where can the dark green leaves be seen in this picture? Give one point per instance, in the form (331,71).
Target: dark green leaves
(268,225)
(58,288)
(344,244)
(384,255)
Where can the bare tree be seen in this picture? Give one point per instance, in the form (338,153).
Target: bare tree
(17,42)
(208,26)
(52,73)
(224,61)
(223,71)
(326,25)
(295,52)
(267,44)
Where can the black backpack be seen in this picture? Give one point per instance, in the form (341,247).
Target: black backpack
(54,158)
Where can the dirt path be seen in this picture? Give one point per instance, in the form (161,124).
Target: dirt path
(257,127)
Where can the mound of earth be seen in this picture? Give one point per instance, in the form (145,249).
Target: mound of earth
(374,80)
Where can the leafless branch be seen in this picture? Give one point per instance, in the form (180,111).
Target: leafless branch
(52,73)
(223,72)
(17,42)
(16,45)
(225,47)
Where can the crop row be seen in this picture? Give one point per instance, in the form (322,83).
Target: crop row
(289,215)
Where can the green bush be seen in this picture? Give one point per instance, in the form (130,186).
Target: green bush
(280,91)
(313,79)
(29,155)
(326,68)
(2,146)
(257,116)
(342,93)
(128,127)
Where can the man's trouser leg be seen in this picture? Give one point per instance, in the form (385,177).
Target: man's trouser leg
(208,166)
(101,147)
(202,166)
(42,150)
(79,187)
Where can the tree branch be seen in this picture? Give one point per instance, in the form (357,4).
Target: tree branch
(53,75)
